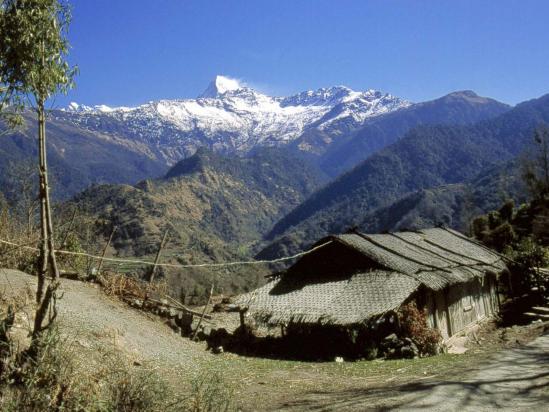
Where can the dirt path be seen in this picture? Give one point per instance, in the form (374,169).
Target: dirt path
(95,320)
(515,380)
(512,380)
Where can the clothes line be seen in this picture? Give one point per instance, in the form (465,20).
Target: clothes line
(171,265)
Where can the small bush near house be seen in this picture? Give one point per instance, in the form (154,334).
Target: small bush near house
(413,325)
(526,257)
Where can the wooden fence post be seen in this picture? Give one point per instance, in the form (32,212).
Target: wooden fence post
(105,249)
(157,259)
(203,312)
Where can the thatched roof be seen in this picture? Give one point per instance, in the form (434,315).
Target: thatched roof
(400,263)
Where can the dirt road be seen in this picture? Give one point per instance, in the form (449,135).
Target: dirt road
(515,380)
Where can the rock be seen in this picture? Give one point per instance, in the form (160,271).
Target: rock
(173,325)
(458,346)
(414,348)
(206,331)
(163,311)
(390,339)
(408,341)
(408,352)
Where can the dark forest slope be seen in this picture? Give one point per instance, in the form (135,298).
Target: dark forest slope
(427,157)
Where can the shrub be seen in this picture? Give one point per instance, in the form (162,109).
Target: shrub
(501,236)
(44,382)
(210,393)
(77,263)
(128,391)
(14,257)
(122,285)
(526,256)
(413,325)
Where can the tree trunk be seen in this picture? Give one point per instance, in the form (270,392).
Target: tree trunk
(43,259)
(47,250)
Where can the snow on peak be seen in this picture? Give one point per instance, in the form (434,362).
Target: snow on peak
(231,117)
(77,108)
(101,108)
(221,85)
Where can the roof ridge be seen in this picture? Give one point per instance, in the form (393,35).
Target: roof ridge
(427,250)
(337,238)
(474,242)
(459,254)
(369,239)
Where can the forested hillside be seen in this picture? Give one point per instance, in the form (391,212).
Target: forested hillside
(452,205)
(216,208)
(427,157)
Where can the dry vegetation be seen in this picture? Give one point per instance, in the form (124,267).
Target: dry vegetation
(62,378)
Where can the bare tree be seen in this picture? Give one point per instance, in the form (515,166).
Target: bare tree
(22,193)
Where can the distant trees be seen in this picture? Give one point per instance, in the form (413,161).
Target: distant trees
(22,193)
(523,233)
(501,228)
(535,165)
(33,68)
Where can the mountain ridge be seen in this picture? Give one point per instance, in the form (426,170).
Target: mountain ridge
(231,117)
(456,108)
(427,157)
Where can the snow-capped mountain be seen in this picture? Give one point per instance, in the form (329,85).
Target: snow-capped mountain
(233,118)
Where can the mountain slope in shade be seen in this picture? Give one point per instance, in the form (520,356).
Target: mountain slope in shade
(426,157)
(453,205)
(458,108)
(230,117)
(78,157)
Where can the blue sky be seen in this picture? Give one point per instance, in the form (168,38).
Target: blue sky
(133,51)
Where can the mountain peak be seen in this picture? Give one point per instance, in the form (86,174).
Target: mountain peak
(464,93)
(471,97)
(220,85)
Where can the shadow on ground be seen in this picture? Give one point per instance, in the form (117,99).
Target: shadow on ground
(516,379)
